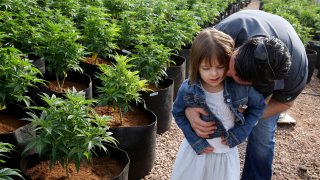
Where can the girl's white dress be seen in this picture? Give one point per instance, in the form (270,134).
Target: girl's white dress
(222,164)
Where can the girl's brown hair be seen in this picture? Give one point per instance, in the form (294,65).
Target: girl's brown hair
(210,43)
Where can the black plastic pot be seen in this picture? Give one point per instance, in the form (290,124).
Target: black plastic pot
(160,103)
(312,59)
(177,72)
(315,45)
(37,62)
(140,144)
(92,71)
(82,78)
(19,137)
(185,52)
(114,152)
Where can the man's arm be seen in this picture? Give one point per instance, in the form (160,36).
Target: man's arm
(202,128)
(276,107)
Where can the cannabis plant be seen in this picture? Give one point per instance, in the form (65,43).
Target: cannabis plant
(150,59)
(6,173)
(120,85)
(21,26)
(99,32)
(68,130)
(59,45)
(17,74)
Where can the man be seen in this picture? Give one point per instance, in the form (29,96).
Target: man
(242,26)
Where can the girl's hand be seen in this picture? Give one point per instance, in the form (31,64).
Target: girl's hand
(207,150)
(224,140)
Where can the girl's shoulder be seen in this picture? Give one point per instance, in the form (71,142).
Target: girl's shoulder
(233,87)
(187,86)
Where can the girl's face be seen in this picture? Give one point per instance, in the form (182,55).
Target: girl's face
(212,75)
(232,72)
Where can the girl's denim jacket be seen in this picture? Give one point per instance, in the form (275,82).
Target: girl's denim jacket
(236,96)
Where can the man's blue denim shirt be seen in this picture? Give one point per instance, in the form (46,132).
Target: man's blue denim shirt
(235,96)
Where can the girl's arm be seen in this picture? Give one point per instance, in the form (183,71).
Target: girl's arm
(256,106)
(178,112)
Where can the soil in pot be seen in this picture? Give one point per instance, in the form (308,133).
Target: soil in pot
(130,119)
(79,81)
(97,61)
(102,168)
(90,66)
(15,131)
(114,166)
(9,123)
(137,136)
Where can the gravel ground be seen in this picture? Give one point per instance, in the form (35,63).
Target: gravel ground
(297,146)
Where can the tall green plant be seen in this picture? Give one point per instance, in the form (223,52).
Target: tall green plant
(5,172)
(69,8)
(99,32)
(17,74)
(150,59)
(59,45)
(68,129)
(21,26)
(120,85)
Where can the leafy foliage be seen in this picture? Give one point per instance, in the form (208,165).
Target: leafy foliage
(120,85)
(16,75)
(59,45)
(150,59)
(306,22)
(68,8)
(68,130)
(6,173)
(21,26)
(99,32)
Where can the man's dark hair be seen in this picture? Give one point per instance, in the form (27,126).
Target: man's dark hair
(262,59)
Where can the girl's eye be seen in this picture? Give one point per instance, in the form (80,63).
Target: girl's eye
(220,67)
(205,68)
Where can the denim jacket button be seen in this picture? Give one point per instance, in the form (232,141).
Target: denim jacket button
(228,100)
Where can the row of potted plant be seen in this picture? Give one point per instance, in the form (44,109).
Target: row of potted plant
(61,33)
(306,22)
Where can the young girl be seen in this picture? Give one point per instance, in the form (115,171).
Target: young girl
(207,87)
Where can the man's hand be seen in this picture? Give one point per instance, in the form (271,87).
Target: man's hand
(202,128)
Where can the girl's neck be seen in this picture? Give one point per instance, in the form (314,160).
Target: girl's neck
(212,89)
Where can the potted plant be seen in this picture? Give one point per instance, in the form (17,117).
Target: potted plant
(68,136)
(132,125)
(17,75)
(20,22)
(99,36)
(151,59)
(5,171)
(59,47)
(99,33)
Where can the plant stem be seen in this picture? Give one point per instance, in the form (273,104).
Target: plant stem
(63,80)
(95,57)
(120,110)
(58,83)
